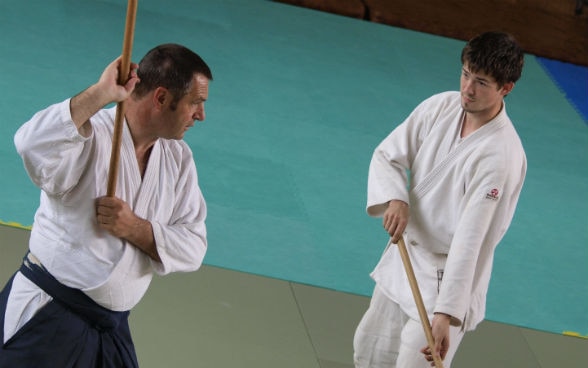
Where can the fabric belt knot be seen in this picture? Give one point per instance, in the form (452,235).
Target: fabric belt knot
(100,318)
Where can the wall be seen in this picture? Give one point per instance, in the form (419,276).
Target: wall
(547,28)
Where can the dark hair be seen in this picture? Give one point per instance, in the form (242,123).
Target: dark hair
(171,66)
(495,53)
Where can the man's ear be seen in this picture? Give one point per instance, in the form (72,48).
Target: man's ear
(507,87)
(160,97)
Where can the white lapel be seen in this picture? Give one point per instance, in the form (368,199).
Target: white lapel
(150,181)
(466,146)
(133,189)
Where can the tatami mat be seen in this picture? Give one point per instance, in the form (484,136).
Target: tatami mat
(299,101)
(219,318)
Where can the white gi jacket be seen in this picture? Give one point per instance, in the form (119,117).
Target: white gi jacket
(462,195)
(72,172)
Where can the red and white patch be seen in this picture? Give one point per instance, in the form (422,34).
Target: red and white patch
(494,194)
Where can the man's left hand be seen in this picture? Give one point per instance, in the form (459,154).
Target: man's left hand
(440,331)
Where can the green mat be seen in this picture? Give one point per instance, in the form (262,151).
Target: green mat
(299,101)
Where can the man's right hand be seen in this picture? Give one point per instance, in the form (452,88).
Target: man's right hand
(107,90)
(396,219)
(108,82)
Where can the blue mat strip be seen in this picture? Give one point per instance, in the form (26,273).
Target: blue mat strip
(572,80)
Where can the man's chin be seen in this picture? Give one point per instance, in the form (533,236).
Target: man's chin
(466,106)
(177,137)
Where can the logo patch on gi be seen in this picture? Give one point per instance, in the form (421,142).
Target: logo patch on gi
(493,194)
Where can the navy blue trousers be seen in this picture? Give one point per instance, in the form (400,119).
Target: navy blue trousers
(71,331)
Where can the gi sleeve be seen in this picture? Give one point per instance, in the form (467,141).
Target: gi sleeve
(181,241)
(53,152)
(487,210)
(389,170)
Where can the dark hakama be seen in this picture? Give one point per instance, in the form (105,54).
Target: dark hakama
(70,331)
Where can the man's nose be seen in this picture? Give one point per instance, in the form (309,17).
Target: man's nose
(199,114)
(468,86)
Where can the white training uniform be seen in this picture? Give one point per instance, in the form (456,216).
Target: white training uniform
(462,196)
(72,172)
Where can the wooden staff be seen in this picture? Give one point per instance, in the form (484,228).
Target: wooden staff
(416,293)
(123,77)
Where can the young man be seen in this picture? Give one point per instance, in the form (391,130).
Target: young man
(92,257)
(448,180)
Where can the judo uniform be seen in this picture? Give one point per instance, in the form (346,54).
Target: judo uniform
(462,194)
(72,171)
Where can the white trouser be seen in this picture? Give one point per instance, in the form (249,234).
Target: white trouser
(387,338)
